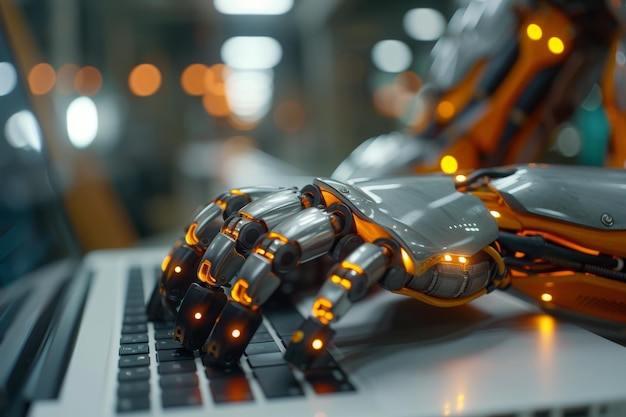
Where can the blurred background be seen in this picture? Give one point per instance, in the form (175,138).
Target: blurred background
(165,97)
(158,106)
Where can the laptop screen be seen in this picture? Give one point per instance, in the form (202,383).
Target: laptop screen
(33,230)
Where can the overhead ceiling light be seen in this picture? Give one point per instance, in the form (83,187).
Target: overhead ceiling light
(251,52)
(424,24)
(266,7)
(392,55)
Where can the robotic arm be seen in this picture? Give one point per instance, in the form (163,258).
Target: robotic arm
(550,234)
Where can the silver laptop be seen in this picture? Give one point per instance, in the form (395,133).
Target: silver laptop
(75,341)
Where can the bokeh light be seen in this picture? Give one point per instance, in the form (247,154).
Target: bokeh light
(144,80)
(192,80)
(41,78)
(88,81)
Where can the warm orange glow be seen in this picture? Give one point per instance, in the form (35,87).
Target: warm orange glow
(197,316)
(88,81)
(236,333)
(495,214)
(445,109)
(555,45)
(65,78)
(41,79)
(166,262)
(317,344)
(144,80)
(289,116)
(354,267)
(534,32)
(321,310)
(449,164)
(239,293)
(546,297)
(345,283)
(192,80)
(216,104)
(190,236)
(177,269)
(204,274)
(407,261)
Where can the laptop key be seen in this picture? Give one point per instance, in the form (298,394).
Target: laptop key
(327,381)
(134,328)
(181,397)
(231,390)
(177,367)
(178,381)
(174,355)
(218,372)
(263,347)
(278,382)
(133,389)
(134,349)
(164,334)
(133,374)
(133,404)
(133,338)
(129,361)
(266,359)
(165,344)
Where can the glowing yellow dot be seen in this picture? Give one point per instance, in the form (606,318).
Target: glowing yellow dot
(236,333)
(495,214)
(546,297)
(197,316)
(177,269)
(534,32)
(449,165)
(555,45)
(460,178)
(317,344)
(462,259)
(445,109)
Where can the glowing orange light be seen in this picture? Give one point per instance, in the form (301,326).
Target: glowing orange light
(177,269)
(317,344)
(216,104)
(144,80)
(41,79)
(239,293)
(166,262)
(447,258)
(449,164)
(462,259)
(65,78)
(190,236)
(197,316)
(445,109)
(546,297)
(534,32)
(88,81)
(495,214)
(236,333)
(192,80)
(556,45)
(321,310)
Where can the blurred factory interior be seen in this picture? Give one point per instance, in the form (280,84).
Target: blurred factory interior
(177,100)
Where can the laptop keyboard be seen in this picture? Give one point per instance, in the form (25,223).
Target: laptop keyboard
(180,373)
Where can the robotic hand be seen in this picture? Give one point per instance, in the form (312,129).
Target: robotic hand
(549,234)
